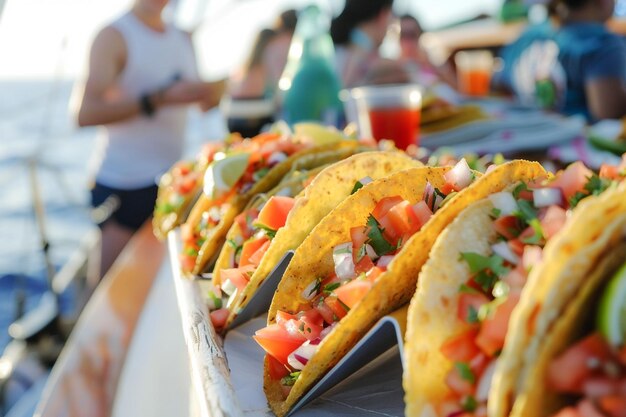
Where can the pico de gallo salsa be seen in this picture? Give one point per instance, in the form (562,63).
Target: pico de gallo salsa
(185,178)
(524,219)
(358,263)
(264,152)
(594,370)
(257,229)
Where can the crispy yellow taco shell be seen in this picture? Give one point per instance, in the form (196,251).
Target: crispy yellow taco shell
(557,301)
(391,289)
(329,188)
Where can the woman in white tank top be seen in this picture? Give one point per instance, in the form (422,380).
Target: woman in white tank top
(142,78)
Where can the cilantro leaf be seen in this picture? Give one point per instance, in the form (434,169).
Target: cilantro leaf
(526,211)
(376,239)
(271,233)
(357,186)
(290,379)
(465,371)
(518,189)
(594,186)
(469,403)
(328,288)
(487,269)
(537,236)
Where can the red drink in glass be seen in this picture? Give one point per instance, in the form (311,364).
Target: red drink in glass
(396,123)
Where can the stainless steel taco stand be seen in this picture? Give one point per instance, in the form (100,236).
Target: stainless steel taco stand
(227,375)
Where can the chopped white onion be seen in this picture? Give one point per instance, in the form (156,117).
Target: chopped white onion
(365,180)
(460,176)
(429,192)
(276,158)
(301,356)
(384,261)
(505,202)
(344,264)
(545,197)
(293,327)
(309,292)
(371,252)
(484,383)
(231,299)
(502,249)
(490,168)
(228,287)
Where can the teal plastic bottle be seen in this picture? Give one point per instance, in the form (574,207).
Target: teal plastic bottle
(310,84)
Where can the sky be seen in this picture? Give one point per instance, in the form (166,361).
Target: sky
(43,39)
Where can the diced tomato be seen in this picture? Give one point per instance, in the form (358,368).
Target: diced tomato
(613,405)
(219,317)
(609,171)
(568,412)
(186,234)
(278,342)
(238,276)
(404,219)
(391,234)
(364,265)
(448,188)
(276,369)
(185,185)
(598,386)
(249,248)
(587,409)
(353,292)
(553,221)
(313,323)
(493,329)
(531,257)
(182,168)
(461,347)
(516,278)
(457,383)
(507,227)
(374,273)
(621,355)
(517,246)
(479,363)
(325,312)
(469,304)
(283,317)
(274,213)
(335,305)
(187,262)
(422,212)
(358,236)
(568,371)
(572,179)
(528,233)
(256,257)
(384,205)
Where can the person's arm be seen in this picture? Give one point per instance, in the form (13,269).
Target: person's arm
(605,74)
(606,98)
(98,104)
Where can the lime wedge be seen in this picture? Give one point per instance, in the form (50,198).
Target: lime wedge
(224,173)
(320,134)
(612,309)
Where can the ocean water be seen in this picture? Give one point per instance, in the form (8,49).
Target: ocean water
(36,130)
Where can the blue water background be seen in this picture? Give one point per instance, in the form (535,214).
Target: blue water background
(35,124)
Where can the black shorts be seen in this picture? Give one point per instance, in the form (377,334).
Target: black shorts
(135,206)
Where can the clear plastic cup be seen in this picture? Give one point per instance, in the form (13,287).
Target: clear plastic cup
(386,112)
(474,69)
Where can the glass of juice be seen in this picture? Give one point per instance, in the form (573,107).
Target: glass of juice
(474,70)
(387,112)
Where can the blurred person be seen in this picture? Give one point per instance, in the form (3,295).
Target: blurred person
(415,58)
(587,74)
(260,74)
(141,79)
(357,32)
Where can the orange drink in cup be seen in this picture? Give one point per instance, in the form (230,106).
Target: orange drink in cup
(474,70)
(387,112)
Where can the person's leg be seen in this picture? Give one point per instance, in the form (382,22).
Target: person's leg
(114,238)
(133,209)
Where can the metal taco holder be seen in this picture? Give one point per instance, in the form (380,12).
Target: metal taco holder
(227,375)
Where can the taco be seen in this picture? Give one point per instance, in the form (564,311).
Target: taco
(262,234)
(472,282)
(358,264)
(244,169)
(567,353)
(179,188)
